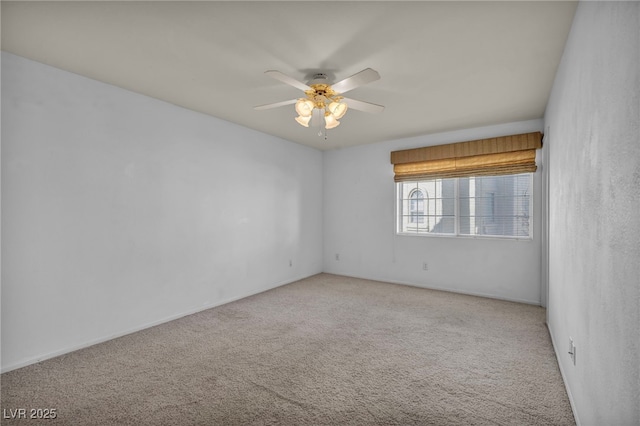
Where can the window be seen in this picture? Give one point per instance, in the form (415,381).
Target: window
(496,206)
(479,187)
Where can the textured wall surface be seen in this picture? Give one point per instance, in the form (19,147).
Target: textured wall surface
(121,211)
(359,226)
(594,143)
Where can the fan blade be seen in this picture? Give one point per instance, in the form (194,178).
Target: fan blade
(363,77)
(288,80)
(363,106)
(275,105)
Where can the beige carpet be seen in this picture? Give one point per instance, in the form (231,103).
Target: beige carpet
(326,350)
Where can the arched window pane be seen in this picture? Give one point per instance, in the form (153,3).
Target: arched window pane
(416,207)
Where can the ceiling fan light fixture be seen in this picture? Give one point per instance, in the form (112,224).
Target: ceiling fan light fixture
(330,121)
(303,121)
(325,99)
(337,109)
(304,107)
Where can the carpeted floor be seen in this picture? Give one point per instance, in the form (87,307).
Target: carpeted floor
(327,350)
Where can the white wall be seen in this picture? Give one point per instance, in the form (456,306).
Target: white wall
(359,204)
(121,211)
(594,144)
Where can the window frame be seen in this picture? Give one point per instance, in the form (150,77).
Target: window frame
(456,234)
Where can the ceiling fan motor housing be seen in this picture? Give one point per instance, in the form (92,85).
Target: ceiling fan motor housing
(318,78)
(321,92)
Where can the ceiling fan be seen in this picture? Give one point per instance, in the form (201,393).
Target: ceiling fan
(325,100)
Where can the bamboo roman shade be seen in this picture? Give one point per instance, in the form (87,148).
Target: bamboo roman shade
(495,156)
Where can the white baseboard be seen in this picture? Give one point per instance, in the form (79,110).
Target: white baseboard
(564,377)
(49,355)
(448,289)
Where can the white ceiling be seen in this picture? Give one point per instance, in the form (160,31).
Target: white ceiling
(443,65)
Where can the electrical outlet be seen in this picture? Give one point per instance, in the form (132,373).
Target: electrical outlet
(425,266)
(572,350)
(337,256)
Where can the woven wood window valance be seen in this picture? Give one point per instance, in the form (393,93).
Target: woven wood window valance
(495,156)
